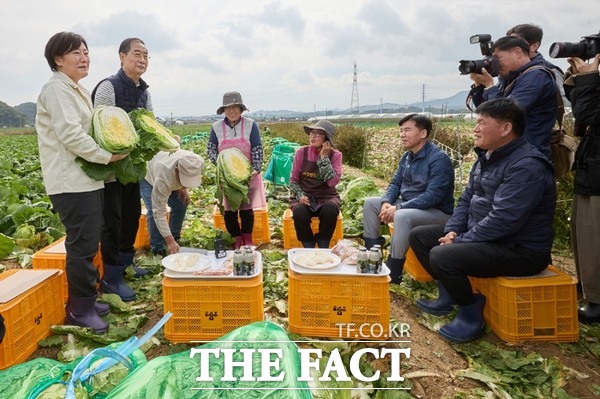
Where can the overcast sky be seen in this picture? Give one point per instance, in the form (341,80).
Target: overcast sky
(294,55)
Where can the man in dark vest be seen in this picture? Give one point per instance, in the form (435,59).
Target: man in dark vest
(122,206)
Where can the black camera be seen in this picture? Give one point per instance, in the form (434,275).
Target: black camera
(585,49)
(489,62)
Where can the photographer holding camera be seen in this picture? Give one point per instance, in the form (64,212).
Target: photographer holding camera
(533,34)
(581,86)
(526,81)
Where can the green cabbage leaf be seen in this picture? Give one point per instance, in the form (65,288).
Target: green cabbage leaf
(233,176)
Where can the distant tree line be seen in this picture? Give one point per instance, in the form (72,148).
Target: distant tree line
(19,116)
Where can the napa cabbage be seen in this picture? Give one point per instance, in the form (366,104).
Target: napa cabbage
(233,176)
(152,138)
(113,130)
(152,133)
(26,236)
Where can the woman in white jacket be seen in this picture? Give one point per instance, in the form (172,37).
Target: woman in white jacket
(64,111)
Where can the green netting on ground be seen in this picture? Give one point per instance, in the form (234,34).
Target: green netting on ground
(171,376)
(46,379)
(175,376)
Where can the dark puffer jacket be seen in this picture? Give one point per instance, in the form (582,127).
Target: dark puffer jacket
(535,91)
(585,101)
(510,198)
(128,94)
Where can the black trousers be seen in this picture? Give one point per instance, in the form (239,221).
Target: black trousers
(81,214)
(451,264)
(233,225)
(327,215)
(121,219)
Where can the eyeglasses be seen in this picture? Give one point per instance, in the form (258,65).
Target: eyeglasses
(139,55)
(317,133)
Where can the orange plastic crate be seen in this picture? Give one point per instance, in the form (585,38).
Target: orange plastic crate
(54,256)
(531,309)
(28,317)
(142,238)
(260,233)
(414,267)
(323,305)
(289,230)
(207,309)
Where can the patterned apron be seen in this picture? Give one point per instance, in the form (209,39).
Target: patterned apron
(313,186)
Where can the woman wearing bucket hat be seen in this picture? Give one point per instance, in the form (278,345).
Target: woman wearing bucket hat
(316,170)
(168,176)
(237,131)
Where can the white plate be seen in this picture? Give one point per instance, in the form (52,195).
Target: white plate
(216,264)
(316,260)
(187,262)
(342,269)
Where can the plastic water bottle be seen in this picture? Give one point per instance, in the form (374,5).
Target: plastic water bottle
(238,263)
(249,261)
(374,259)
(380,262)
(362,260)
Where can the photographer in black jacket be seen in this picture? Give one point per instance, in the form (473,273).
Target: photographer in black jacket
(581,86)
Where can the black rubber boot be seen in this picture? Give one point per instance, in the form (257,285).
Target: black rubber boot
(112,282)
(369,242)
(442,306)
(128,258)
(589,313)
(396,267)
(81,312)
(308,244)
(102,309)
(468,323)
(323,243)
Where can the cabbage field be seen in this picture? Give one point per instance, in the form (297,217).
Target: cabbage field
(484,369)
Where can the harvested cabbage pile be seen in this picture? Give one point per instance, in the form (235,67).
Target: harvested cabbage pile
(151,137)
(233,176)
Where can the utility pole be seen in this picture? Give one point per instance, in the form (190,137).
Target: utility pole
(423,99)
(354,101)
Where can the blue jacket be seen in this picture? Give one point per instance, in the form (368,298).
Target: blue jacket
(423,180)
(535,91)
(510,198)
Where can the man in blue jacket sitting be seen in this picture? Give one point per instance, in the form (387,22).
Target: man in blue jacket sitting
(502,223)
(421,192)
